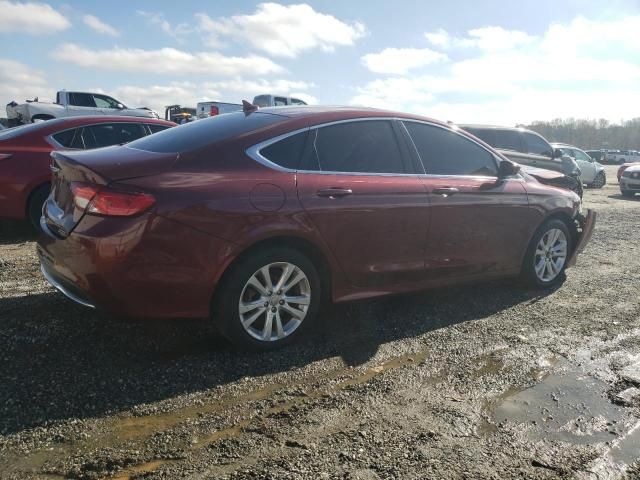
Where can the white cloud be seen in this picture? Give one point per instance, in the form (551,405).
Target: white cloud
(177,31)
(99,26)
(34,18)
(164,61)
(584,68)
(485,38)
(281,30)
(439,38)
(159,96)
(19,82)
(400,60)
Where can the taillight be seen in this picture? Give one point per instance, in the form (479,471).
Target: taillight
(213,110)
(98,200)
(5,156)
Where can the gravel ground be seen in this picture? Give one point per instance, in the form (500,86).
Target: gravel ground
(483,381)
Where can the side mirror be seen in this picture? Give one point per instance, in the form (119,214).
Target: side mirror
(557,153)
(507,169)
(120,106)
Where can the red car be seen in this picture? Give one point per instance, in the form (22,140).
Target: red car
(24,155)
(624,166)
(254,218)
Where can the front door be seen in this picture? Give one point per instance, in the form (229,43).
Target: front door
(480,224)
(369,207)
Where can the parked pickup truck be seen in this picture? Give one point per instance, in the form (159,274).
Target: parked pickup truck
(71,104)
(210,109)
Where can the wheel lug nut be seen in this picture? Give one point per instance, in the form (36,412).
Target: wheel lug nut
(279,292)
(266,304)
(281,302)
(273,309)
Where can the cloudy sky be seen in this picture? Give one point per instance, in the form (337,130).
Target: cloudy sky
(493,61)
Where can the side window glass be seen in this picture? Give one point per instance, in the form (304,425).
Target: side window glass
(295,101)
(508,140)
(66,138)
(102,101)
(536,145)
(104,135)
(279,101)
(154,127)
(445,152)
(582,156)
(83,100)
(286,152)
(359,147)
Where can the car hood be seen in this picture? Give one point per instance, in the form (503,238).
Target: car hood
(541,173)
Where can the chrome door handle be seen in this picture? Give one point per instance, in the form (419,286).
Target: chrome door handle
(334,192)
(446,191)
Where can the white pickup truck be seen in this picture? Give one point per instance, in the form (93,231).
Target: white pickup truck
(71,104)
(210,109)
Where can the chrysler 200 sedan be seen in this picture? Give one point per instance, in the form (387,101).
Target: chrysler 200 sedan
(254,218)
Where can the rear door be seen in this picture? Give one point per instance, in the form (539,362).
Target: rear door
(480,224)
(362,195)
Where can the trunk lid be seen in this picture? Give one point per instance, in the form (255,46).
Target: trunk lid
(97,167)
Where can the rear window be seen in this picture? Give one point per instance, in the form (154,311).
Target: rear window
(198,134)
(286,152)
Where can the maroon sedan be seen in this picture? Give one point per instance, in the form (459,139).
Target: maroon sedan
(24,155)
(253,219)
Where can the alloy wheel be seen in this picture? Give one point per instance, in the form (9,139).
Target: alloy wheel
(274,301)
(551,255)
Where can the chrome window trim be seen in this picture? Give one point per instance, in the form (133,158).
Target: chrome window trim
(254,151)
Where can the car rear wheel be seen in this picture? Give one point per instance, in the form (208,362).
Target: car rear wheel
(36,201)
(547,255)
(599,181)
(268,299)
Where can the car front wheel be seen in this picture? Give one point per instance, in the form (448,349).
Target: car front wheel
(547,255)
(268,299)
(599,181)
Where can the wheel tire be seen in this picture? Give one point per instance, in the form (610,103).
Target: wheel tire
(600,180)
(529,275)
(36,201)
(226,305)
(627,193)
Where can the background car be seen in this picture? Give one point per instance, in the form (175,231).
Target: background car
(25,155)
(598,155)
(530,149)
(623,167)
(591,172)
(630,180)
(253,219)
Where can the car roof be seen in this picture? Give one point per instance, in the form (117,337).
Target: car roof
(336,112)
(47,127)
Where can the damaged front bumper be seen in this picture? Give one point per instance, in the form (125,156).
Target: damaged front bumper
(584,226)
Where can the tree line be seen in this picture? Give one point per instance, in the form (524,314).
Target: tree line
(591,134)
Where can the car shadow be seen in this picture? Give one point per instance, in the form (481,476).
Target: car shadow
(16,231)
(59,360)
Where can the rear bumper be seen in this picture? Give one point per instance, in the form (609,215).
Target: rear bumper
(144,267)
(587,224)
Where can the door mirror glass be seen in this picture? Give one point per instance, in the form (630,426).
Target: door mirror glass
(557,153)
(508,169)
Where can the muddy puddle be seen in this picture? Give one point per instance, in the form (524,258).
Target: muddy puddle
(569,405)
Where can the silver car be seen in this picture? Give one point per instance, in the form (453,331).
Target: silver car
(591,172)
(630,181)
